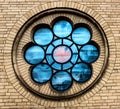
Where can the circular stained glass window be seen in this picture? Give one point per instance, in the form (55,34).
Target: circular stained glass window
(60,54)
(81,72)
(41,73)
(81,35)
(62,28)
(89,53)
(43,36)
(34,54)
(66,58)
(61,81)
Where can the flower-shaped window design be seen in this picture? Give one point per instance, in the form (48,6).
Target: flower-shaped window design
(61,53)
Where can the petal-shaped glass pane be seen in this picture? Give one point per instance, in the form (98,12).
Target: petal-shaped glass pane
(34,54)
(61,81)
(56,66)
(89,53)
(81,35)
(41,73)
(74,48)
(43,36)
(67,65)
(49,59)
(81,72)
(57,42)
(62,28)
(67,42)
(49,49)
(74,58)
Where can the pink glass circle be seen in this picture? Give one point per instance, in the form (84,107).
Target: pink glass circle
(62,54)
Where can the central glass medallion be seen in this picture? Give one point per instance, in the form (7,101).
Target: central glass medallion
(62,54)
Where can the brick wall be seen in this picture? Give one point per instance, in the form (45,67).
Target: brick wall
(106,97)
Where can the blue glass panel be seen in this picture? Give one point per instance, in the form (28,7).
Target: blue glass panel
(89,53)
(61,81)
(74,58)
(81,35)
(41,73)
(67,42)
(49,49)
(43,36)
(57,42)
(74,48)
(67,65)
(34,54)
(81,72)
(56,66)
(62,28)
(49,59)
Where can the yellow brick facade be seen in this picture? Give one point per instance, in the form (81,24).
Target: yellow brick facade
(104,95)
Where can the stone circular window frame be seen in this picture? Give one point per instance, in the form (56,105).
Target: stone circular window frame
(41,15)
(8,50)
